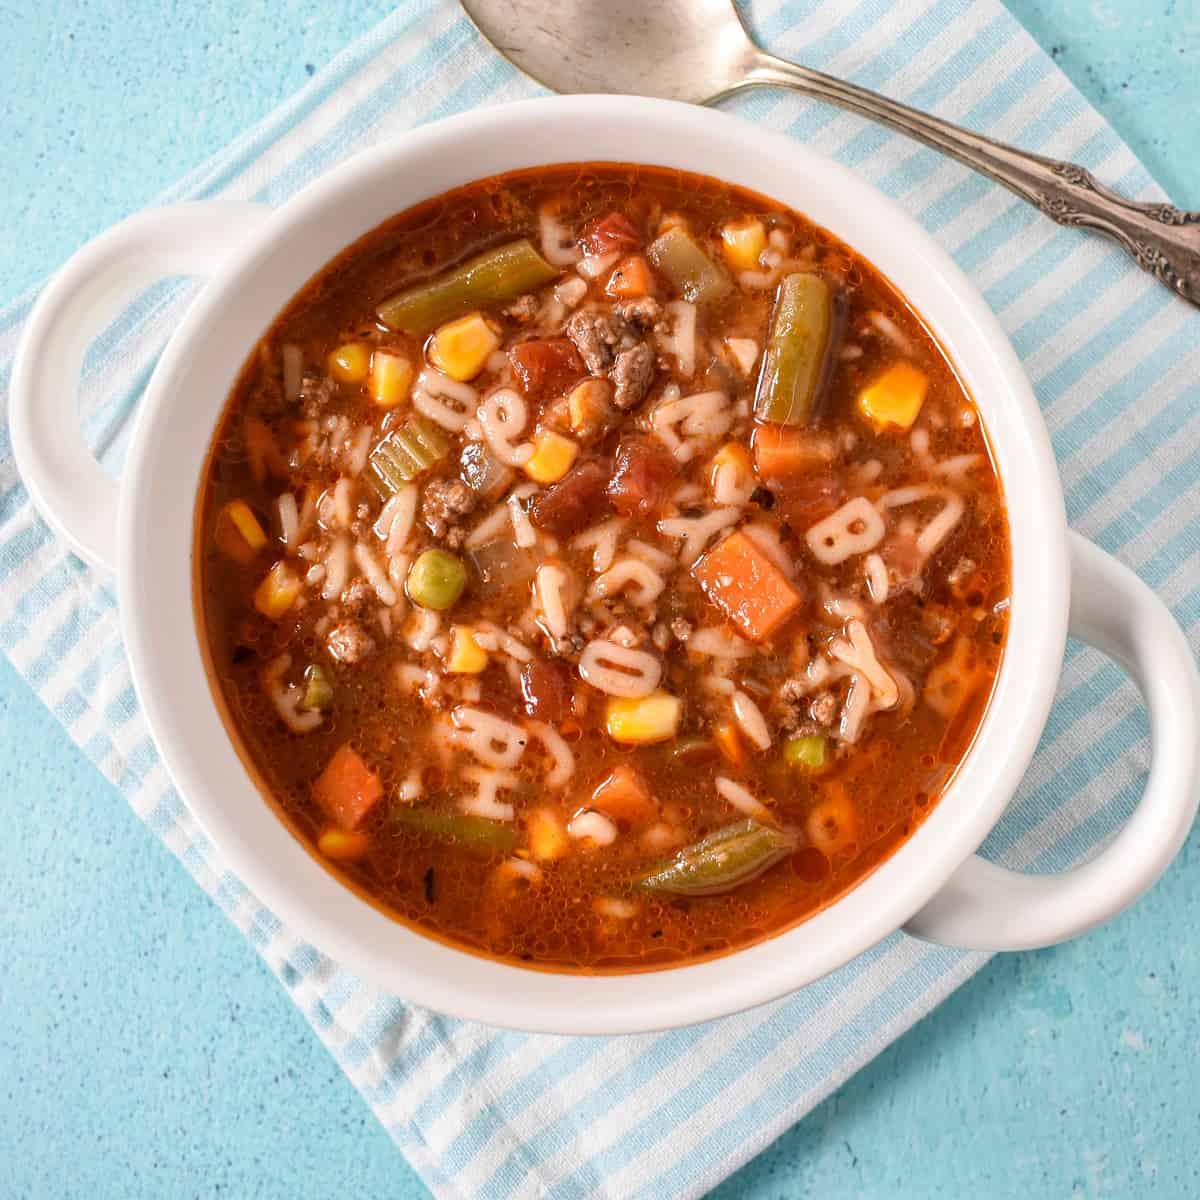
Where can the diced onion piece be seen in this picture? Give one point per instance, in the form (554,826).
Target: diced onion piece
(293,371)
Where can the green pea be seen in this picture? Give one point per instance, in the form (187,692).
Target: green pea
(436,579)
(809,752)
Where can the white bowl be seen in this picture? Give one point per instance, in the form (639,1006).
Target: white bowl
(258,260)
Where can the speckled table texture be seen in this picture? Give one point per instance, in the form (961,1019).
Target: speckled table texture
(144,1049)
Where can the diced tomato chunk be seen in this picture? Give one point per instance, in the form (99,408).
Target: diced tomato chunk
(347,790)
(613,232)
(746,586)
(575,501)
(623,795)
(641,479)
(547,689)
(803,500)
(546,366)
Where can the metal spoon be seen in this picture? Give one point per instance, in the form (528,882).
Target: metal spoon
(699,51)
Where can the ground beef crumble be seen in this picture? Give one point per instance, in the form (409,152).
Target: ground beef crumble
(444,504)
(348,642)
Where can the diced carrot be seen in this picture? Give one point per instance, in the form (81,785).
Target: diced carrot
(347,789)
(782,450)
(747,586)
(729,744)
(262,451)
(623,793)
(631,278)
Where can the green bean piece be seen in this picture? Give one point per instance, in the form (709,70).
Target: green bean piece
(796,361)
(722,861)
(809,752)
(693,274)
(436,579)
(404,454)
(318,688)
(475,832)
(493,277)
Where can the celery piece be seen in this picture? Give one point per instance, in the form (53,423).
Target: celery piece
(493,277)
(476,832)
(796,360)
(694,275)
(722,861)
(404,454)
(318,688)
(809,752)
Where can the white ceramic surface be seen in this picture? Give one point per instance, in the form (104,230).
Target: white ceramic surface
(256,260)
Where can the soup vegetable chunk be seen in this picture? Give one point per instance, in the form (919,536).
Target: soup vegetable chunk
(602,566)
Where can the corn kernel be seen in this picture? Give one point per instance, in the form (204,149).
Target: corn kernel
(238,533)
(351,362)
(553,455)
(652,718)
(343,845)
(391,379)
(467,656)
(278,591)
(547,837)
(460,348)
(743,242)
(895,398)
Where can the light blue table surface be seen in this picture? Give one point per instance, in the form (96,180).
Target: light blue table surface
(145,1051)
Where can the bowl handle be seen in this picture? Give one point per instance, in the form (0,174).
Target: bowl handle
(986,907)
(76,497)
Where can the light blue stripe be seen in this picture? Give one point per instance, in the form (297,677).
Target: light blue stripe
(968,58)
(342,137)
(1163,427)
(1069,439)
(1109,437)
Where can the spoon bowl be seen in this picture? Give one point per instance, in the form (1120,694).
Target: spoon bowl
(690,50)
(699,51)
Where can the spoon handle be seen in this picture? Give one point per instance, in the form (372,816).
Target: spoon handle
(1162,239)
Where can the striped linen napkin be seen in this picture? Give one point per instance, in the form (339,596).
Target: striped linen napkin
(1116,364)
